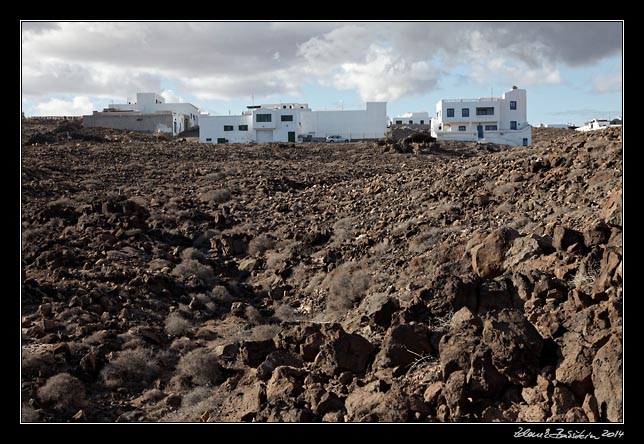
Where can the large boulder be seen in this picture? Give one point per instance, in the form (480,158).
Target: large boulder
(516,345)
(488,256)
(607,379)
(403,344)
(343,351)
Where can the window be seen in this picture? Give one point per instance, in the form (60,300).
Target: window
(411,122)
(228,127)
(450,112)
(221,140)
(513,104)
(461,128)
(465,112)
(208,139)
(513,124)
(287,118)
(243,127)
(490,128)
(398,122)
(264,118)
(486,111)
(422,122)
(525,141)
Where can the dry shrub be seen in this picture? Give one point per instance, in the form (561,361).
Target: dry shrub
(64,391)
(264,332)
(35,363)
(260,244)
(131,368)
(189,268)
(347,285)
(217,196)
(29,414)
(195,396)
(177,325)
(192,253)
(199,367)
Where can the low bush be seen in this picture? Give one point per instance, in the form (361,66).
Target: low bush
(64,391)
(131,369)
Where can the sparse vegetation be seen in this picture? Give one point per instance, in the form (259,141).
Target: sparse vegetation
(193,269)
(260,244)
(63,391)
(347,285)
(177,325)
(216,196)
(131,368)
(198,367)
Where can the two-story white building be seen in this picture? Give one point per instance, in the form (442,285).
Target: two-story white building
(501,120)
(294,122)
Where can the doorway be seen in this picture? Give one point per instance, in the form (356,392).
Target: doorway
(479,130)
(291,136)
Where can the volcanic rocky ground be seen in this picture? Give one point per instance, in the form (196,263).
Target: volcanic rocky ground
(173,281)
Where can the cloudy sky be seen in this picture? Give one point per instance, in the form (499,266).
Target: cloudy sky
(572,71)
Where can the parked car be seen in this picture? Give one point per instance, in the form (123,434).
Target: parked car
(336,138)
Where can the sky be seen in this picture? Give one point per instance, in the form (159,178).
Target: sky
(572,71)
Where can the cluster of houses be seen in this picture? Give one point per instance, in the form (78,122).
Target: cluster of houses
(501,120)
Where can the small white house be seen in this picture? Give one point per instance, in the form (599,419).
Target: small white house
(412,118)
(597,124)
(501,120)
(293,122)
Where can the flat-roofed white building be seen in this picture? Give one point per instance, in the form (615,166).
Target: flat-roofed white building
(148,113)
(412,118)
(294,122)
(501,120)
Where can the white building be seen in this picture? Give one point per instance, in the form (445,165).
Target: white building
(293,122)
(596,124)
(501,120)
(149,103)
(412,118)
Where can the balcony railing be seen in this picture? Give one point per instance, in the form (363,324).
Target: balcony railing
(481,99)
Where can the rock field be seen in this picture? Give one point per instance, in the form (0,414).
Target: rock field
(172,281)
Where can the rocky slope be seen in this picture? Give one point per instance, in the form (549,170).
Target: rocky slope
(173,281)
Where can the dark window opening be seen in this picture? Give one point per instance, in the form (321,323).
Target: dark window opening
(287,118)
(264,118)
(461,128)
(422,122)
(208,139)
(490,128)
(411,122)
(487,111)
(398,122)
(243,127)
(450,112)
(228,127)
(221,140)
(465,112)
(513,124)
(513,104)
(525,141)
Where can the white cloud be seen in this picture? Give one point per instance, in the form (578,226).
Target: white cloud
(384,76)
(170,96)
(79,105)
(233,59)
(606,83)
